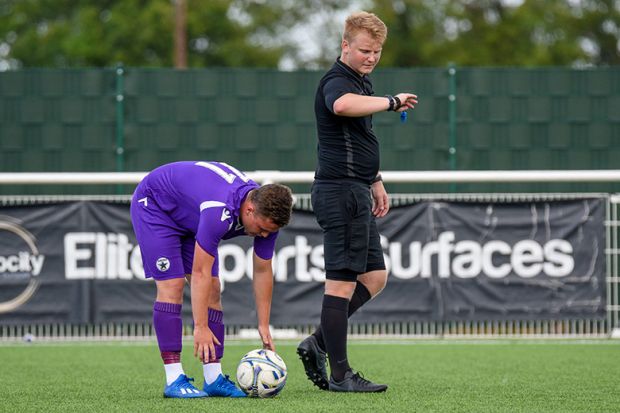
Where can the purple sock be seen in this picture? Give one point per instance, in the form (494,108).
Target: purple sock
(216,324)
(168,328)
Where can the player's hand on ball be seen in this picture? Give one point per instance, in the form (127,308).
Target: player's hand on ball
(265,336)
(204,344)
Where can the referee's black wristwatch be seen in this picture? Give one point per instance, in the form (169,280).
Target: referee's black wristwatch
(377,178)
(394,103)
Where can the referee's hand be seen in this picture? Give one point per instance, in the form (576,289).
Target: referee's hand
(381,202)
(408,101)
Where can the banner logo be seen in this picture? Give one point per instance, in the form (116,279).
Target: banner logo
(102,256)
(20,265)
(442,258)
(447,257)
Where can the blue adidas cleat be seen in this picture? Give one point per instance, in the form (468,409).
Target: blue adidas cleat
(223,387)
(182,388)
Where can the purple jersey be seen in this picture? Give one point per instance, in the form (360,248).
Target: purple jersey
(201,200)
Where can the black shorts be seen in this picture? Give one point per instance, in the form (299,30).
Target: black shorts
(351,241)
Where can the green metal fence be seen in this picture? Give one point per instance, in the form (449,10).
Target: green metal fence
(134,119)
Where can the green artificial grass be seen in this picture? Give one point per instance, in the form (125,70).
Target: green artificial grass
(424,376)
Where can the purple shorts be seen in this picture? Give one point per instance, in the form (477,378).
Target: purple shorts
(167,250)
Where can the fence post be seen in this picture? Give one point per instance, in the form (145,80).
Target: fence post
(120,102)
(120,121)
(452,120)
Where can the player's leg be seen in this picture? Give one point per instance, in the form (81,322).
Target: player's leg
(368,285)
(332,217)
(313,349)
(216,383)
(161,257)
(361,295)
(168,326)
(373,282)
(365,246)
(375,277)
(334,320)
(213,369)
(358,238)
(343,211)
(334,323)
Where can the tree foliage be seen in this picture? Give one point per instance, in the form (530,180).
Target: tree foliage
(494,33)
(306,33)
(78,33)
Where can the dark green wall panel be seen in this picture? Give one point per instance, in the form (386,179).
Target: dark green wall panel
(505,118)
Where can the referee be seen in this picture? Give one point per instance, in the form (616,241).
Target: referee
(347,195)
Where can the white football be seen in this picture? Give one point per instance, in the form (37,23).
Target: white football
(261,373)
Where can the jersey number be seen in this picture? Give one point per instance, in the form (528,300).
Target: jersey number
(228,177)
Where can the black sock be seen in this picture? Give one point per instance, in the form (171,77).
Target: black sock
(334,322)
(361,295)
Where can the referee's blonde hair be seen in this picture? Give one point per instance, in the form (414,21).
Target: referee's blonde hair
(364,21)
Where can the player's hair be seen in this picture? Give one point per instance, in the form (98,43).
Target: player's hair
(273,201)
(364,21)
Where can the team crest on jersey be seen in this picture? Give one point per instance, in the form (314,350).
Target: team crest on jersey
(225,215)
(163,264)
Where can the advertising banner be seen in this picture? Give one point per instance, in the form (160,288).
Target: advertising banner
(78,262)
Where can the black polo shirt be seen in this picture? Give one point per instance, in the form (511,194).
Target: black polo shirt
(347,147)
